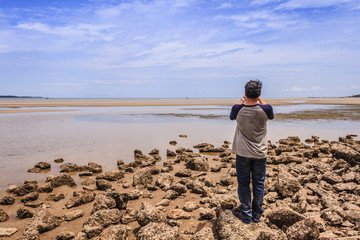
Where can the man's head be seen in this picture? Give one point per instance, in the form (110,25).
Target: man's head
(253,89)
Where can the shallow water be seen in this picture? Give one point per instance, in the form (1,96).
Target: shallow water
(105,134)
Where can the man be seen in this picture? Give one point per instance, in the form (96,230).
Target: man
(250,146)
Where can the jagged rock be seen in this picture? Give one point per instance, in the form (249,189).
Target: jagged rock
(94,167)
(179,188)
(3,216)
(129,216)
(170,194)
(73,215)
(117,232)
(61,180)
(103,202)
(224,201)
(143,177)
(69,167)
(202,145)
(183,135)
(204,234)
(271,197)
(226,180)
(34,170)
(114,175)
(216,168)
(344,152)
(163,202)
(73,202)
(154,151)
(231,228)
(196,187)
(170,153)
(178,214)
(55,197)
(43,165)
(91,231)
(348,187)
(27,187)
(33,204)
(30,197)
(7,232)
(207,213)
(331,178)
(101,219)
(24,212)
(7,200)
(351,177)
(156,230)
(305,229)
(59,160)
(183,173)
(198,164)
(284,216)
(45,188)
(65,235)
(286,184)
(164,181)
(331,217)
(102,184)
(190,206)
(42,221)
(148,213)
(135,194)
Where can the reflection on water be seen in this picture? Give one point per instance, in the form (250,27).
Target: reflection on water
(106,134)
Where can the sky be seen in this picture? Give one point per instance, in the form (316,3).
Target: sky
(179,48)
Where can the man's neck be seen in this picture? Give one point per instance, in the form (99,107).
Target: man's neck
(251,101)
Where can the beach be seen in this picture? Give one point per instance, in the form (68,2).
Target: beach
(107,132)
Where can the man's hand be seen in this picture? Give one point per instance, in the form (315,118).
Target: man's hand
(262,102)
(243,100)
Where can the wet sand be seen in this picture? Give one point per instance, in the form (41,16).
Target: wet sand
(17,104)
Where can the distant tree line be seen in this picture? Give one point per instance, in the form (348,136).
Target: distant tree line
(11,96)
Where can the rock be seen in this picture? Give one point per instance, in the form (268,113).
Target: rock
(7,200)
(331,217)
(7,232)
(34,170)
(102,184)
(170,153)
(69,167)
(170,194)
(33,204)
(271,197)
(73,215)
(103,218)
(348,187)
(204,234)
(190,206)
(27,187)
(61,180)
(30,197)
(91,231)
(212,149)
(143,177)
(207,213)
(73,202)
(164,181)
(42,221)
(66,235)
(284,217)
(129,216)
(198,164)
(216,168)
(226,180)
(173,143)
(163,202)
(305,229)
(344,152)
(117,232)
(120,162)
(179,188)
(148,213)
(55,197)
(351,177)
(94,168)
(3,216)
(331,178)
(286,184)
(183,135)
(159,231)
(135,194)
(103,202)
(24,212)
(177,214)
(45,188)
(114,175)
(12,189)
(154,151)
(183,173)
(43,165)
(231,228)
(224,201)
(59,160)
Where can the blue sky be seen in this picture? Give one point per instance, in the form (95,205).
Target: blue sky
(179,48)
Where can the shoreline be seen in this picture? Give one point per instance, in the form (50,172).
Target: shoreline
(15,105)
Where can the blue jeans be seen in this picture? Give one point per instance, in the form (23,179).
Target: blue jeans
(257,168)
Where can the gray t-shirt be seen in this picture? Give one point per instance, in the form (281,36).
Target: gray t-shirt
(250,138)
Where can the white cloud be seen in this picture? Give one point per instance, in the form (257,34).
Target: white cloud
(295,4)
(263,2)
(225,5)
(300,89)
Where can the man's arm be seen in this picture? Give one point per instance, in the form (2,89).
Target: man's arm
(261,101)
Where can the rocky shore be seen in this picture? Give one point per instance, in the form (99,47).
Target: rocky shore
(312,192)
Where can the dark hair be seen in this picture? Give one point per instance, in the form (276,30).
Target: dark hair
(253,88)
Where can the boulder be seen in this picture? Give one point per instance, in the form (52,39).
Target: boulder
(69,167)
(55,197)
(103,202)
(179,188)
(65,235)
(103,218)
(183,173)
(61,180)
(7,200)
(148,213)
(198,164)
(348,187)
(286,184)
(43,165)
(129,216)
(117,232)
(177,214)
(164,181)
(344,152)
(207,213)
(157,230)
(24,212)
(305,229)
(70,216)
(102,184)
(284,217)
(3,216)
(7,232)
(190,206)
(27,187)
(143,177)
(114,175)
(30,197)
(170,153)
(94,167)
(226,180)
(204,234)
